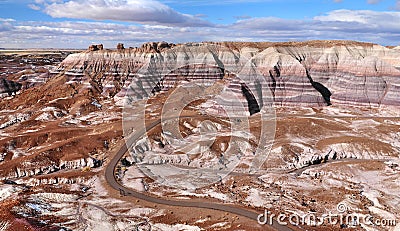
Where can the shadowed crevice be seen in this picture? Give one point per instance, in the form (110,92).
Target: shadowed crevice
(324,91)
(275,73)
(251,100)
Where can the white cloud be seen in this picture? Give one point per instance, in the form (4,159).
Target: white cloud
(397,6)
(6,24)
(34,7)
(7,20)
(48,1)
(140,11)
(363,20)
(245,16)
(269,23)
(373,1)
(212,2)
(369,26)
(345,16)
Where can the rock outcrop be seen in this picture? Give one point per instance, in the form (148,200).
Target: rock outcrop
(97,47)
(156,46)
(52,168)
(120,46)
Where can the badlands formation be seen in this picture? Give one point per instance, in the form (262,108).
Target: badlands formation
(358,73)
(325,114)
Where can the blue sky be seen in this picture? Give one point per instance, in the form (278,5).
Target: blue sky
(79,23)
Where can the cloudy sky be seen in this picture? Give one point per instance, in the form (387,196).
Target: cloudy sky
(79,23)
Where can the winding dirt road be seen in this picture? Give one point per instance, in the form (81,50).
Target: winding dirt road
(110,177)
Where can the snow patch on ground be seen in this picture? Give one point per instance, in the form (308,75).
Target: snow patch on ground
(218,195)
(256,198)
(177,227)
(219,225)
(7,191)
(55,197)
(45,117)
